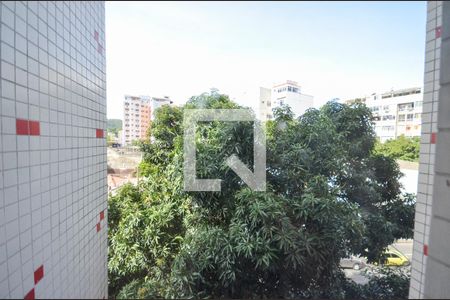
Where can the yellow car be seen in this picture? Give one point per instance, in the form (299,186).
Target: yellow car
(392,257)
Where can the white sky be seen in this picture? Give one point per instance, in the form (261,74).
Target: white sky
(332,50)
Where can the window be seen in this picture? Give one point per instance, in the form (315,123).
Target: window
(417,116)
(409,117)
(401,118)
(406,106)
(388,117)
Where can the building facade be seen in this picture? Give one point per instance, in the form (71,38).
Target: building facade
(136,118)
(430,275)
(138,111)
(53,189)
(287,93)
(395,113)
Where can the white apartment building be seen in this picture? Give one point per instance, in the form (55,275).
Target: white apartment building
(395,113)
(287,93)
(138,111)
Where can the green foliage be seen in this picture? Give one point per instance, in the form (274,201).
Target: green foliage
(402,148)
(328,195)
(114,125)
(146,228)
(386,283)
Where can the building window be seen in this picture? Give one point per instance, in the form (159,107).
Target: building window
(409,117)
(401,118)
(406,106)
(417,116)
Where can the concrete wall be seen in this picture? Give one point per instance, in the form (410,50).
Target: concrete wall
(430,276)
(53,191)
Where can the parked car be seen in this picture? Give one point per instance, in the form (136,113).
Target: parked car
(353,262)
(393,257)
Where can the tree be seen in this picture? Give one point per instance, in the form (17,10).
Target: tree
(402,148)
(385,283)
(328,194)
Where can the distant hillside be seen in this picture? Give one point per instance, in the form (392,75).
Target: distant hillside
(114,124)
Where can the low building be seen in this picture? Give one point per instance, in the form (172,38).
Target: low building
(287,93)
(395,113)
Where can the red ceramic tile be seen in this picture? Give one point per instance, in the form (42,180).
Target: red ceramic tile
(38,274)
(35,128)
(433,138)
(22,127)
(438,32)
(98,227)
(102,215)
(99,133)
(30,295)
(425,250)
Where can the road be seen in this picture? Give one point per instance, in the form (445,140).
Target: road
(404,247)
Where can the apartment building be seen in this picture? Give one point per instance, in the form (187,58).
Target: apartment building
(286,93)
(395,113)
(53,189)
(138,111)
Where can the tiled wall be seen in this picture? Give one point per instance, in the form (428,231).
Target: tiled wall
(437,278)
(53,191)
(428,178)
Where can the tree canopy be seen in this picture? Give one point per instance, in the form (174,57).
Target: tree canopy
(403,148)
(328,195)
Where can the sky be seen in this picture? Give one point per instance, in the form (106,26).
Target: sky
(332,49)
